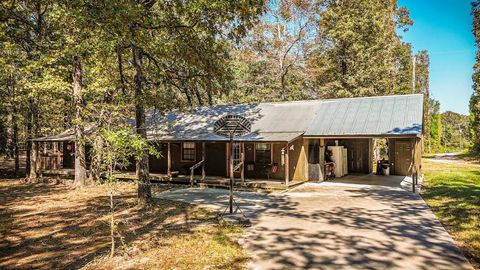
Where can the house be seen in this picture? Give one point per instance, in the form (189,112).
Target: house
(287,141)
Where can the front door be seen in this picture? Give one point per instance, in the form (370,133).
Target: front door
(237,159)
(403,157)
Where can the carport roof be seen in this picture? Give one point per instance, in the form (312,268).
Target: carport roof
(371,116)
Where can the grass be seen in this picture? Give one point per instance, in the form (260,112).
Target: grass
(452,190)
(47,226)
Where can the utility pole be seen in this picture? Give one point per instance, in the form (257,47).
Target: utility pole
(443,136)
(414,62)
(460,134)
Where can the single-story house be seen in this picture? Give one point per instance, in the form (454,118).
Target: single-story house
(287,141)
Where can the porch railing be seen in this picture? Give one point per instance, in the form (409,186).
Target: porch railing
(193,168)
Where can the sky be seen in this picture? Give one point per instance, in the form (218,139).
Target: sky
(443,27)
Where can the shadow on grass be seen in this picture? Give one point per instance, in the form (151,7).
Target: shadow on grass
(54,227)
(458,207)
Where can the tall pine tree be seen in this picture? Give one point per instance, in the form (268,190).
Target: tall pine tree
(475,98)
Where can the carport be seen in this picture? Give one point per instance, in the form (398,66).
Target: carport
(354,124)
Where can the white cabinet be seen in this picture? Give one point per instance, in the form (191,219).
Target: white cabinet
(339,156)
(345,162)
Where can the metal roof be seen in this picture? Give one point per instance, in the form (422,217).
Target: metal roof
(270,122)
(380,116)
(370,116)
(386,116)
(67,135)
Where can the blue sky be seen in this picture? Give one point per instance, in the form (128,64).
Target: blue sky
(443,27)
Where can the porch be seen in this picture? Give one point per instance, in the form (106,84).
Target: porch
(181,179)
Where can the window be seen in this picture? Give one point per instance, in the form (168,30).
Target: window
(263,153)
(188,151)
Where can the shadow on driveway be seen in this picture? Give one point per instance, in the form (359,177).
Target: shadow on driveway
(338,227)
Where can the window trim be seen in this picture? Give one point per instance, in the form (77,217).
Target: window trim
(194,152)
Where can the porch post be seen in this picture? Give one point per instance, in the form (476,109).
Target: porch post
(59,155)
(242,160)
(287,173)
(203,158)
(414,167)
(169,160)
(33,162)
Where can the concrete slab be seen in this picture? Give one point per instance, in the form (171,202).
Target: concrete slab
(395,181)
(338,227)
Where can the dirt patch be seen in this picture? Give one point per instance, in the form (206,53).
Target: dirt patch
(48,226)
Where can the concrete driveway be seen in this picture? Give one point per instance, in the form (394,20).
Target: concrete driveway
(318,226)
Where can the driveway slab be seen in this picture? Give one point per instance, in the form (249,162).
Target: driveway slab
(338,227)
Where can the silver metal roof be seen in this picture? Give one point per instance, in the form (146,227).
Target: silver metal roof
(366,116)
(270,122)
(380,116)
(376,116)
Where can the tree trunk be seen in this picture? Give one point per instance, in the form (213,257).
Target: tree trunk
(32,176)
(28,142)
(144,191)
(98,143)
(15,143)
(96,158)
(13,125)
(10,147)
(80,164)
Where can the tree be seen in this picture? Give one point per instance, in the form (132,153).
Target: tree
(29,30)
(475,98)
(80,162)
(456,135)
(434,140)
(356,46)
(176,48)
(270,61)
(422,86)
(120,145)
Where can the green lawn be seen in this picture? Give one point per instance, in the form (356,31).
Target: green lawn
(452,190)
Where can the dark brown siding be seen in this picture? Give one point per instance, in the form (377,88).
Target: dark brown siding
(159,165)
(358,155)
(215,164)
(68,155)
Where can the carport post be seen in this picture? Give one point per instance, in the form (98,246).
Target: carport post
(414,169)
(287,173)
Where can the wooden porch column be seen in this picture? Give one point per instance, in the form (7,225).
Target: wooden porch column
(59,155)
(414,167)
(203,158)
(169,160)
(287,173)
(33,162)
(242,160)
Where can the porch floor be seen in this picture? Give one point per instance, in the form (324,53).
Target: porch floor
(215,181)
(209,181)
